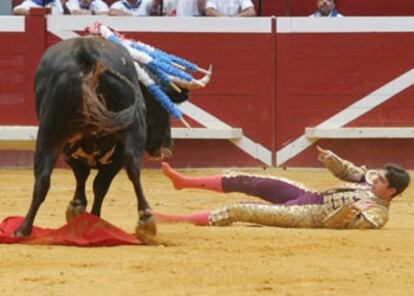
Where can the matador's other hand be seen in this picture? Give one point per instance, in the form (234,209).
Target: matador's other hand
(324,154)
(362,205)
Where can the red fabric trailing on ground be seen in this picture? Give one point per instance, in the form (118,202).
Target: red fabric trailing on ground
(85,230)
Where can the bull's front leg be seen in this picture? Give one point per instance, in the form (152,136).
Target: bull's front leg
(146,228)
(44,161)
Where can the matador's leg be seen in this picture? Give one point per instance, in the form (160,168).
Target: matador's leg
(276,190)
(306,216)
(272,189)
(199,219)
(179,181)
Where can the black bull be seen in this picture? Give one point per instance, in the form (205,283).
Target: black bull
(92,108)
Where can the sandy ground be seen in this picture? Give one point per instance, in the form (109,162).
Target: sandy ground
(236,260)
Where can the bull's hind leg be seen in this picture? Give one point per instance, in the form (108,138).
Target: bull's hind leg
(79,202)
(44,161)
(146,228)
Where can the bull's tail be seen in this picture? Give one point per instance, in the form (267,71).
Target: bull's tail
(94,109)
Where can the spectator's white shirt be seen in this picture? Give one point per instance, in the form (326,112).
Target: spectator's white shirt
(229,7)
(97,6)
(142,8)
(334,13)
(181,7)
(55,6)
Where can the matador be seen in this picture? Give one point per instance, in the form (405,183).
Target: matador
(362,201)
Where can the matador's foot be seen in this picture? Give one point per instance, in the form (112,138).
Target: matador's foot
(174,176)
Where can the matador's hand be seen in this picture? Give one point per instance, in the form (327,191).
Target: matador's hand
(362,205)
(324,155)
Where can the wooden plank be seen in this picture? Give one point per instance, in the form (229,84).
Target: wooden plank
(361,133)
(206,133)
(24,137)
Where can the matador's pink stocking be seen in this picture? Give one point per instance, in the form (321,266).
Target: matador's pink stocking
(199,219)
(179,181)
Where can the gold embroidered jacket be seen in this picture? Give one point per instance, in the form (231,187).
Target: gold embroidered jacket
(351,205)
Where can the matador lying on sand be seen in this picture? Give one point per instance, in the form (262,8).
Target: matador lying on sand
(362,202)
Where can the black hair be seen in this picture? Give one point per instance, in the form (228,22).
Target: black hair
(398,177)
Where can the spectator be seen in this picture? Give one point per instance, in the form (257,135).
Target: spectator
(230,8)
(132,8)
(85,7)
(326,8)
(182,7)
(24,7)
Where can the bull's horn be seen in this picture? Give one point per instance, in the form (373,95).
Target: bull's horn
(197,82)
(206,79)
(194,83)
(186,84)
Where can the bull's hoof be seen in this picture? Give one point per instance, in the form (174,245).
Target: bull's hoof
(146,228)
(75,208)
(18,233)
(22,232)
(145,237)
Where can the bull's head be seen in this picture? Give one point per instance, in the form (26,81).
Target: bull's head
(159,141)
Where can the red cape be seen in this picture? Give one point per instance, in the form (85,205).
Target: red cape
(85,230)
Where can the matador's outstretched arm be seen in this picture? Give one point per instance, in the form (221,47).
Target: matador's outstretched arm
(340,168)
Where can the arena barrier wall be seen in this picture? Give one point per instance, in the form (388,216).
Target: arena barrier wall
(344,73)
(280,86)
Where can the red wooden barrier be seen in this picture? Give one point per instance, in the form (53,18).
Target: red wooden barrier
(273,86)
(20,55)
(323,74)
(241,80)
